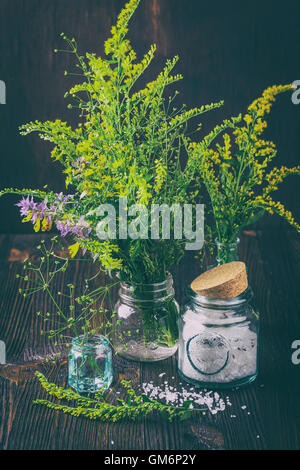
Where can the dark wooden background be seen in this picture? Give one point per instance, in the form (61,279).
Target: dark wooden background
(229,50)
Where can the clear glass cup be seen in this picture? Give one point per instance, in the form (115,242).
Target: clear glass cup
(90,364)
(147,319)
(218,341)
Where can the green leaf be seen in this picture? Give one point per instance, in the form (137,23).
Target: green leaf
(145,398)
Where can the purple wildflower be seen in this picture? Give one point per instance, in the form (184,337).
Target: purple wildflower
(62,198)
(78,163)
(26,205)
(55,212)
(63,227)
(81,228)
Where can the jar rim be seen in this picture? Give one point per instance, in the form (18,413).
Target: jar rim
(91,343)
(146,294)
(216,303)
(168,279)
(228,244)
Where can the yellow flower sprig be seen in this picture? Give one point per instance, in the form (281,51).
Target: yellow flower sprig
(235,172)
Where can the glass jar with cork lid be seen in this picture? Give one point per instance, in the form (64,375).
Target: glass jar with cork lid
(219,329)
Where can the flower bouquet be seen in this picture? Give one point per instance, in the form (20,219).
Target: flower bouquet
(125,153)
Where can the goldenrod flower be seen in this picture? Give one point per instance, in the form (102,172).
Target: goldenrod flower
(236,179)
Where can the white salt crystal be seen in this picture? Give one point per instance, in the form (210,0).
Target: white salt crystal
(237,345)
(201,399)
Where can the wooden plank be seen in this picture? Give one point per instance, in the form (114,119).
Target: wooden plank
(281,410)
(272,402)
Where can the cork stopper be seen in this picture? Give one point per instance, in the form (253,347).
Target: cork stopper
(223,282)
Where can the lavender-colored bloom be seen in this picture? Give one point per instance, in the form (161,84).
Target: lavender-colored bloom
(78,163)
(42,207)
(84,227)
(63,227)
(81,228)
(29,207)
(61,198)
(34,217)
(26,205)
(53,209)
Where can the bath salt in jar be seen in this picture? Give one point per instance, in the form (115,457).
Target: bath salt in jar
(218,345)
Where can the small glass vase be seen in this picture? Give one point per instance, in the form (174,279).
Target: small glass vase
(227,252)
(147,316)
(90,364)
(219,341)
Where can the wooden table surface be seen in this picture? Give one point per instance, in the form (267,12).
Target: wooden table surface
(273,260)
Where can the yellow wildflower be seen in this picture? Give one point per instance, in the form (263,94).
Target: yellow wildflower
(37,224)
(248,119)
(73,249)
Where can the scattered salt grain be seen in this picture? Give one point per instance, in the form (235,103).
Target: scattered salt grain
(172,396)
